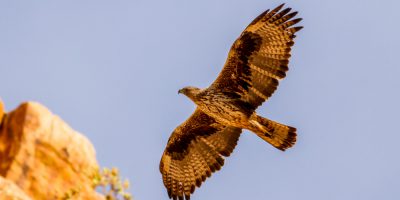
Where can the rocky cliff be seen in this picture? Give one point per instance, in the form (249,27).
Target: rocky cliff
(41,157)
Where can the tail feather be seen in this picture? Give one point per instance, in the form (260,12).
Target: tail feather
(278,135)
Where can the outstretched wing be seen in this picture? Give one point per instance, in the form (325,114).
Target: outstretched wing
(194,151)
(259,57)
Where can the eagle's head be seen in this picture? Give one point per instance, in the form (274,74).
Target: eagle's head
(189,91)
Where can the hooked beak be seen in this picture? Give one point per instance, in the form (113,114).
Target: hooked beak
(180,91)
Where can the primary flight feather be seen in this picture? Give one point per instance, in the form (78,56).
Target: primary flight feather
(256,62)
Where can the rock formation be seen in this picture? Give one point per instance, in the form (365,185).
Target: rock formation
(41,156)
(1,111)
(8,190)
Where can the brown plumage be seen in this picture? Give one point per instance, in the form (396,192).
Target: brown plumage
(256,62)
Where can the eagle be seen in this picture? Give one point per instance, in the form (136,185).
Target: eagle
(256,62)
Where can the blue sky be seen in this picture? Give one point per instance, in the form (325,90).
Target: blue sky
(112,69)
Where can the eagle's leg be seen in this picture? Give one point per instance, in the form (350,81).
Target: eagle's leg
(278,135)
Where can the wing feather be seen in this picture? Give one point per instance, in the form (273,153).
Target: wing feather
(194,151)
(259,58)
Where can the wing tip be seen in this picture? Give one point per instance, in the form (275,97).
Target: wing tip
(297,28)
(280,6)
(297,20)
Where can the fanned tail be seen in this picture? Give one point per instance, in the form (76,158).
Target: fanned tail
(278,135)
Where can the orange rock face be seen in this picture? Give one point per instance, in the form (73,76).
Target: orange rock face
(43,156)
(8,190)
(1,111)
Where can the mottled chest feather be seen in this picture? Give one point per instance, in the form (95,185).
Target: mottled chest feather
(225,107)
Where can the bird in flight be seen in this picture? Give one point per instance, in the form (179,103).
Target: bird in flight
(256,62)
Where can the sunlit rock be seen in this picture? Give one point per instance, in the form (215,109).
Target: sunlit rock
(44,157)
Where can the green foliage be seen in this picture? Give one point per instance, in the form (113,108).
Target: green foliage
(111,185)
(108,183)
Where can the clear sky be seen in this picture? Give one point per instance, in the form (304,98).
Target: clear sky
(112,69)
